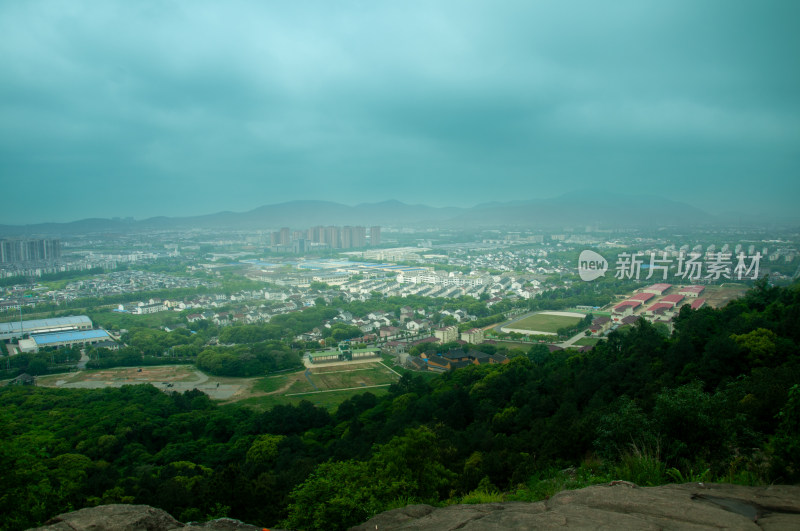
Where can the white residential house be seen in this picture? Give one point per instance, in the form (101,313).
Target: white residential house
(415,325)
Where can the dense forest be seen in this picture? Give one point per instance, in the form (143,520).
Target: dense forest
(718,400)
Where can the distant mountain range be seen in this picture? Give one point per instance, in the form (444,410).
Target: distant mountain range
(596,208)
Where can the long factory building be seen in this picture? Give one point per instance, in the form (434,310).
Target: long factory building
(17,329)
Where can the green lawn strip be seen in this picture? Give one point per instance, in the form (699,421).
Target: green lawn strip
(511,345)
(328,400)
(586,341)
(269,384)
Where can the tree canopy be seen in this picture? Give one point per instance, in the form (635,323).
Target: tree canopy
(718,400)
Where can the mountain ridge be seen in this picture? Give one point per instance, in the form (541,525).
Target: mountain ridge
(579,209)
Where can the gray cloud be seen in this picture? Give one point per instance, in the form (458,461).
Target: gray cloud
(176,108)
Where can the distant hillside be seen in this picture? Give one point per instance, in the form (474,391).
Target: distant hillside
(581,208)
(606,209)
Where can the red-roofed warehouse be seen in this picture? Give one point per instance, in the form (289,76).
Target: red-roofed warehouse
(691,291)
(644,297)
(657,289)
(672,299)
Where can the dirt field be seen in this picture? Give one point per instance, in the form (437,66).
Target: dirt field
(351,378)
(180,378)
(719,296)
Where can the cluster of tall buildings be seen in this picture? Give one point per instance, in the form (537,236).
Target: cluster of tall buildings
(334,237)
(22,251)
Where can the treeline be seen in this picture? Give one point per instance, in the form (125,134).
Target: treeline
(716,401)
(36,364)
(92,303)
(49,277)
(250,333)
(103,358)
(295,323)
(568,331)
(249,360)
(581,293)
(393,305)
(483,321)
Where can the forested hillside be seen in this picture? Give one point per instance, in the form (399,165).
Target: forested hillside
(717,401)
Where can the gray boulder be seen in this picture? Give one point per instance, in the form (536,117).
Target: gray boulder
(119,517)
(617,505)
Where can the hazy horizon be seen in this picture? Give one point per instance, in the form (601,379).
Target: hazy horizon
(112,109)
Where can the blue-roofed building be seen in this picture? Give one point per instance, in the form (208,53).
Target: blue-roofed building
(15,329)
(63,339)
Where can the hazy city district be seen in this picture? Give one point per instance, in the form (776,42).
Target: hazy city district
(380,265)
(324,338)
(402,297)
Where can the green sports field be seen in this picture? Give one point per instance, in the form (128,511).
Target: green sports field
(542,322)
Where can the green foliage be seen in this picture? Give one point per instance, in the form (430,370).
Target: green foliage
(295,323)
(545,484)
(45,361)
(342,494)
(481,495)
(691,477)
(253,360)
(759,345)
(625,425)
(718,400)
(480,323)
(642,466)
(52,277)
(691,419)
(264,449)
(340,332)
(568,331)
(250,333)
(581,294)
(338,495)
(785,444)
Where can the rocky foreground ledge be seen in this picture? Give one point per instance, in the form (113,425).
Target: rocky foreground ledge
(616,505)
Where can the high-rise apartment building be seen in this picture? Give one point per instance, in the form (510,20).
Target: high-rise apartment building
(15,251)
(333,237)
(359,236)
(286,236)
(347,237)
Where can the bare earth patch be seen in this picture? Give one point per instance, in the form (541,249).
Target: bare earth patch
(177,378)
(719,296)
(181,378)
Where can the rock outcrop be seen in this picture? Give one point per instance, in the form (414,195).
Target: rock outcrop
(618,505)
(120,517)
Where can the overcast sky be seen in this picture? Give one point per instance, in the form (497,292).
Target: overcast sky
(145,108)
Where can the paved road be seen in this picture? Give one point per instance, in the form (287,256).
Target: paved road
(571,341)
(307,374)
(336,390)
(83,361)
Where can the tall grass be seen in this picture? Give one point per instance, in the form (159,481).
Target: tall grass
(642,466)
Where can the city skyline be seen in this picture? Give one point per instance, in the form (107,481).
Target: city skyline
(112,109)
